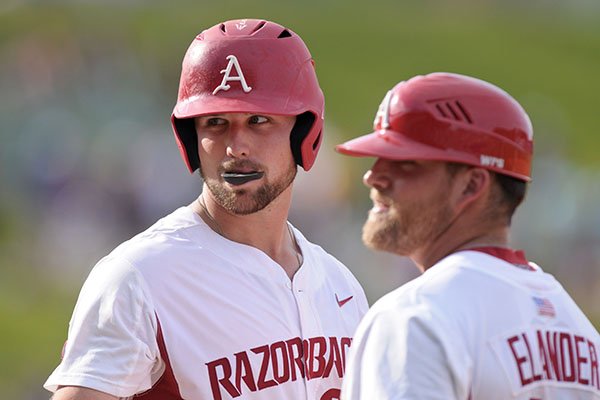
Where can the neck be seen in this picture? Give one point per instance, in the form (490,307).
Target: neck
(460,238)
(266,230)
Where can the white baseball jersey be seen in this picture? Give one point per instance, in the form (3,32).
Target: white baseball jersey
(180,312)
(475,326)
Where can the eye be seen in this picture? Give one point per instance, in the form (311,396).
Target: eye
(406,165)
(214,121)
(258,119)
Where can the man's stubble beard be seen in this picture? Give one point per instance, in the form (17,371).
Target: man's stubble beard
(244,202)
(403,232)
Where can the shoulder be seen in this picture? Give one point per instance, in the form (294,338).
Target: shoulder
(123,275)
(114,279)
(451,284)
(460,287)
(147,256)
(171,235)
(428,306)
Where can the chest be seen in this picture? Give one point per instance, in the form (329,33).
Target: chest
(230,333)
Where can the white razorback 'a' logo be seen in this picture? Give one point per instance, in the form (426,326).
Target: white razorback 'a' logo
(233,63)
(383,112)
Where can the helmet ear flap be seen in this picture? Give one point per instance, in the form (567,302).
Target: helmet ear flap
(303,125)
(187,139)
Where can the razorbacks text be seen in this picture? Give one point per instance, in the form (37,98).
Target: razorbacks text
(279,362)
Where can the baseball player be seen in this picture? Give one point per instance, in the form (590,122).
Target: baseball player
(224,298)
(482,322)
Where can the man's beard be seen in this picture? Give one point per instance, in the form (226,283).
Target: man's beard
(241,201)
(404,231)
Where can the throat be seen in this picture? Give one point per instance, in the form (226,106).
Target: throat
(291,264)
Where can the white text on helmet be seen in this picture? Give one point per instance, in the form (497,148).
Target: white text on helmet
(383,113)
(233,63)
(489,161)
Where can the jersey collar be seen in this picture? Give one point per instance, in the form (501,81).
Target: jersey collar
(514,257)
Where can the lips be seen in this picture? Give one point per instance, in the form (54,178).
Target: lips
(380,205)
(239,178)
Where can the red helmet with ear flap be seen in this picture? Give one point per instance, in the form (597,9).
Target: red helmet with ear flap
(450,117)
(249,66)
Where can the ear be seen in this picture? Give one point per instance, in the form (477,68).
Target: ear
(470,186)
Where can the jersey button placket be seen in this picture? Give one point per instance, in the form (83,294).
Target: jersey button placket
(301,302)
(308,324)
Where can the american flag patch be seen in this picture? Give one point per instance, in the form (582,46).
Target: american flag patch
(544,306)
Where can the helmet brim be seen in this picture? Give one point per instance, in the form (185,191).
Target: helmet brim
(391,145)
(219,105)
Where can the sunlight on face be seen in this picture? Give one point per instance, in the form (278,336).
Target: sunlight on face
(411,206)
(246,159)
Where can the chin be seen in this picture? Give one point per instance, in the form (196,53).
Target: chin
(387,236)
(377,239)
(247,209)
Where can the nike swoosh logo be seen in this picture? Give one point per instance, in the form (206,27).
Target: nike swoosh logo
(343,301)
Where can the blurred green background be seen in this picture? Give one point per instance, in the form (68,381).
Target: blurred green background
(87,157)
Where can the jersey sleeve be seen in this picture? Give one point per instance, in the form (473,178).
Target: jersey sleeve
(111,344)
(403,354)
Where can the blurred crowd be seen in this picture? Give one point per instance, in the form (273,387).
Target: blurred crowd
(88,159)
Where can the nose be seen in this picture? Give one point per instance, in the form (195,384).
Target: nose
(238,142)
(377,176)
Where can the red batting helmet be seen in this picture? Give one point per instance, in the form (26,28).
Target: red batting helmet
(249,66)
(450,117)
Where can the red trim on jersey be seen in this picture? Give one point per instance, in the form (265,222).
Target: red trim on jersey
(166,388)
(515,257)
